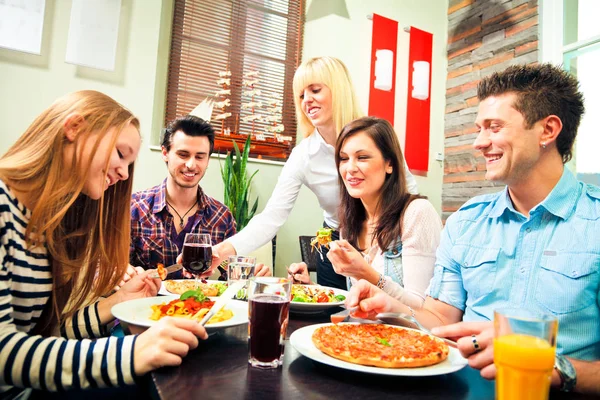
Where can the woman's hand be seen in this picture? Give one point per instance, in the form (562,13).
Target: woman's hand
(347,261)
(370,300)
(139,286)
(470,335)
(298,272)
(129,273)
(166,343)
(262,270)
(221,251)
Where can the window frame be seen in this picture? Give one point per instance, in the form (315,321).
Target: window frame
(552,47)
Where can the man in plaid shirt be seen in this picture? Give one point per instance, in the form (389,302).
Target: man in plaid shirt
(163,214)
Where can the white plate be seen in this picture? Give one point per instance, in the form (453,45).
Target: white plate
(317,307)
(163,290)
(138,312)
(301,339)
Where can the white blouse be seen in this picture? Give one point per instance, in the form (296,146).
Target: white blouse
(421,230)
(312,163)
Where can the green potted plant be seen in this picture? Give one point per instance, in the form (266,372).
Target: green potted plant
(237,185)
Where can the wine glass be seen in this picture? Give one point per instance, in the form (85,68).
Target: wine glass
(197,254)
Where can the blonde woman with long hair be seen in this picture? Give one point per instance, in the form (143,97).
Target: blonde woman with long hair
(325,102)
(65,189)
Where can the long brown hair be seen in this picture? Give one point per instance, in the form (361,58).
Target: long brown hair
(87,240)
(395,196)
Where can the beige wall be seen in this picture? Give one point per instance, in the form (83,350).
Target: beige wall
(30,83)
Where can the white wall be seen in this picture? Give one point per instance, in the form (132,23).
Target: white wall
(350,41)
(28,84)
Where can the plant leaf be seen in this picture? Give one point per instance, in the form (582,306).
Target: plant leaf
(237,184)
(237,163)
(244,160)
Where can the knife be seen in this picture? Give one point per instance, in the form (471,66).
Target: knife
(409,321)
(168,270)
(222,300)
(387,318)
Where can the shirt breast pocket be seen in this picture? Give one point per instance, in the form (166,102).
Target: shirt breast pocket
(478,268)
(567,282)
(152,252)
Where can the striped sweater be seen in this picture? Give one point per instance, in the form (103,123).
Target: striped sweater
(80,359)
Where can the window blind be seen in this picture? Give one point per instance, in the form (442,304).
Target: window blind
(242,55)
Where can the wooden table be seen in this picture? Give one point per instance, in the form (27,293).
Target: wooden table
(218,369)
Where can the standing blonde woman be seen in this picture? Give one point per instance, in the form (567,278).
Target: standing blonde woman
(325,102)
(64,243)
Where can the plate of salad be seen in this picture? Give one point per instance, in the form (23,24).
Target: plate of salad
(315,298)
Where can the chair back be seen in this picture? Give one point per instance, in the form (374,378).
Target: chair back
(309,256)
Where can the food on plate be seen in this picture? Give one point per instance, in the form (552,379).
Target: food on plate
(192,304)
(162,272)
(380,345)
(182,286)
(322,239)
(315,294)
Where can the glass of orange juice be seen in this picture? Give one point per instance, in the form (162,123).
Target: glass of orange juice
(524,347)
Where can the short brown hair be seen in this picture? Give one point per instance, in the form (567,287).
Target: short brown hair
(191,126)
(542,90)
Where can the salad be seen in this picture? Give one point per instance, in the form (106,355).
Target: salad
(322,239)
(315,294)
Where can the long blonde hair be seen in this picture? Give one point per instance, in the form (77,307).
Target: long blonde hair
(87,240)
(332,73)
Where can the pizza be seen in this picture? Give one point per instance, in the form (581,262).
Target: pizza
(380,345)
(182,286)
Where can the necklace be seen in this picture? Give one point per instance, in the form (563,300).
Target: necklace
(181,218)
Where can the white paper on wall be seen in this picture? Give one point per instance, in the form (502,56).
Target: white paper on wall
(21,25)
(93,33)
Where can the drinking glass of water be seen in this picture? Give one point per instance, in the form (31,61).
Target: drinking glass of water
(240,268)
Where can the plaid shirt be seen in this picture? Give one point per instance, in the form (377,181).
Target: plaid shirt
(152,224)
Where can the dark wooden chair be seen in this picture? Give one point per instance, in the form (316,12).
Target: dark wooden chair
(309,256)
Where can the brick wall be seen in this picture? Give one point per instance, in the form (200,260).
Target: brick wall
(484,36)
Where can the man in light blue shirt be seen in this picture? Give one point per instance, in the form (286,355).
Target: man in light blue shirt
(533,245)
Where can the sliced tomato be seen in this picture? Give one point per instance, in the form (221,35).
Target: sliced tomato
(323,298)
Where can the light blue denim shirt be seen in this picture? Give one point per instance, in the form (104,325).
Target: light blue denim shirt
(492,256)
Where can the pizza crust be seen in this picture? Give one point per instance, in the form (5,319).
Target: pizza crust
(180,287)
(360,344)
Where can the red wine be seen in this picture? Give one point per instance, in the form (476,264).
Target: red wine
(197,258)
(268,323)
